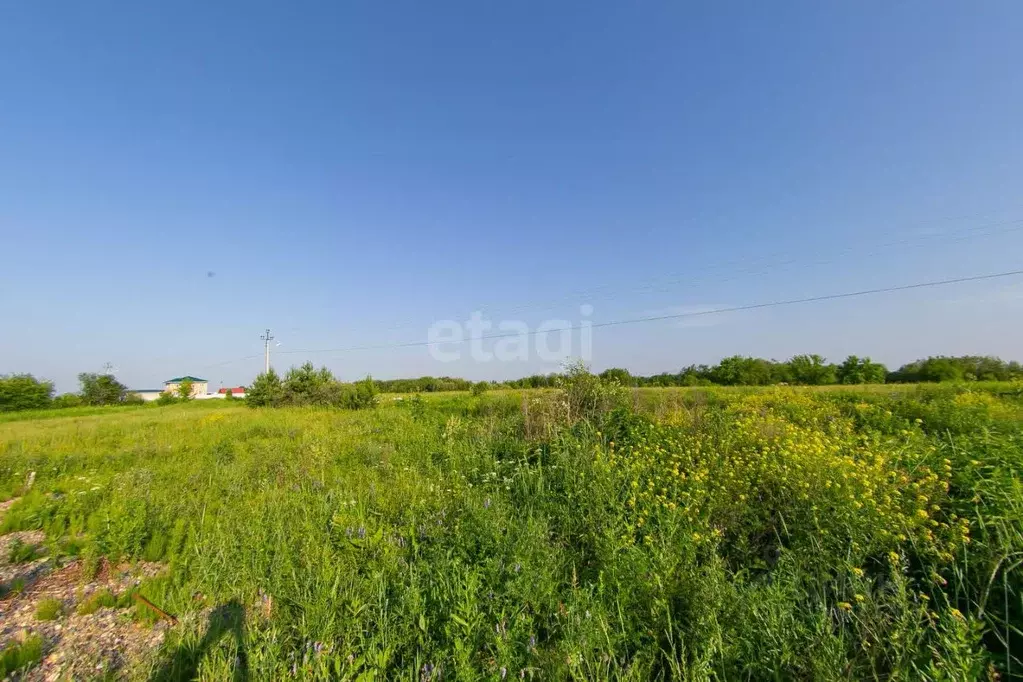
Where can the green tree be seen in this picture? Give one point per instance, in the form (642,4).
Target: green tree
(67,400)
(855,370)
(360,395)
(24,392)
(742,371)
(618,374)
(307,385)
(479,388)
(166,398)
(811,370)
(185,387)
(101,389)
(265,390)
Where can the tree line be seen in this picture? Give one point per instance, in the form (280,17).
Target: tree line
(808,370)
(306,385)
(26,392)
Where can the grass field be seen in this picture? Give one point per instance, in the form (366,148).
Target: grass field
(689,534)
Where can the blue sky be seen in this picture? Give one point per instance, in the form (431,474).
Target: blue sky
(352,172)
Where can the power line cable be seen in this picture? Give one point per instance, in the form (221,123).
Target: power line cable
(756,267)
(676,316)
(989,229)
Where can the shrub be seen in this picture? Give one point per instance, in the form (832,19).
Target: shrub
(479,388)
(360,395)
(21,655)
(49,609)
(588,396)
(306,385)
(166,398)
(103,599)
(67,400)
(265,391)
(24,392)
(20,552)
(580,396)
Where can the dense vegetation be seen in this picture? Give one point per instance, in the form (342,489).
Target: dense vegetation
(807,370)
(810,370)
(306,385)
(25,392)
(588,532)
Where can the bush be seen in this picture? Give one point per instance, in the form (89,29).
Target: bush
(67,400)
(20,552)
(21,655)
(49,609)
(24,392)
(265,391)
(103,599)
(166,398)
(588,396)
(580,396)
(479,388)
(307,385)
(360,395)
(133,399)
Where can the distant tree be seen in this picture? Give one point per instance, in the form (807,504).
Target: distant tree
(185,387)
(101,389)
(479,388)
(854,370)
(67,400)
(811,370)
(133,399)
(1014,370)
(618,374)
(743,371)
(166,398)
(945,368)
(24,392)
(265,390)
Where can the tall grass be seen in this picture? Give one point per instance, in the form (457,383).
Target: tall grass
(773,534)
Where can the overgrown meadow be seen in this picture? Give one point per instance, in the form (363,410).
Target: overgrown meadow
(587,532)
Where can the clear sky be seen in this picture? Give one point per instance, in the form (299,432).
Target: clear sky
(175,177)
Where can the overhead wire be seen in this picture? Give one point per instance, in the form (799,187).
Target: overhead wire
(755,267)
(673,316)
(990,229)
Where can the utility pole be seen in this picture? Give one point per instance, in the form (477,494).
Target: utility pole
(267,338)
